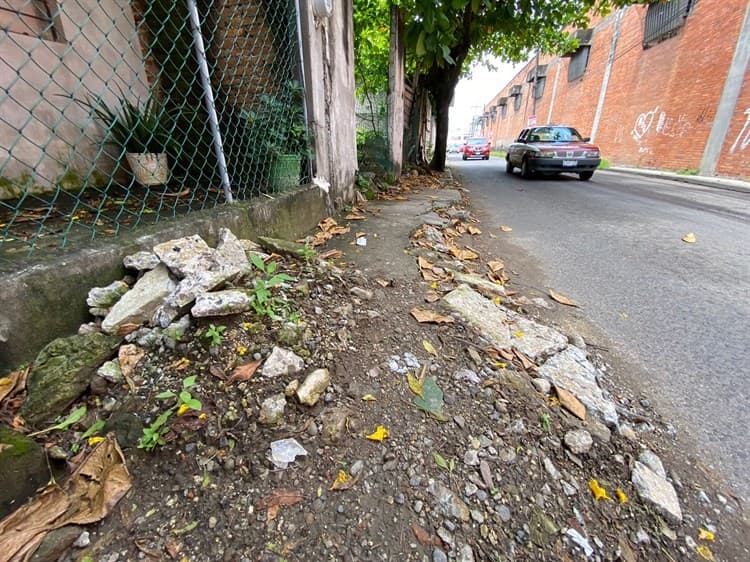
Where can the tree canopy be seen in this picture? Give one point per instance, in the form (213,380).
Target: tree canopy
(443,38)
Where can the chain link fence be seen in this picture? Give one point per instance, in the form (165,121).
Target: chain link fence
(115,114)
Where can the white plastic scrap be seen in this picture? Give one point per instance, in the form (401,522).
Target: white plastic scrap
(322,183)
(285,451)
(579,539)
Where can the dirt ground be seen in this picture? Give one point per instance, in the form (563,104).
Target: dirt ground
(492,480)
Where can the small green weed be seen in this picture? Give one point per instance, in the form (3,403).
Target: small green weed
(307,253)
(74,417)
(545,422)
(215,334)
(154,433)
(262,299)
(95,428)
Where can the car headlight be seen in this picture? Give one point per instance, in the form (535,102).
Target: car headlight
(592,154)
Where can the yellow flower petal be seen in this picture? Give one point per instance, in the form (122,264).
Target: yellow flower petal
(182,409)
(621,496)
(379,434)
(704,535)
(599,492)
(95,440)
(705,553)
(518,334)
(341,480)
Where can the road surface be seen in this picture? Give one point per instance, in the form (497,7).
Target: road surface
(678,312)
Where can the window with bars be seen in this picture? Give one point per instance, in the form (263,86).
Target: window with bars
(34,18)
(517,102)
(664,19)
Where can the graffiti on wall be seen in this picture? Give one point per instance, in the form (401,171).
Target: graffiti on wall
(743,138)
(661,123)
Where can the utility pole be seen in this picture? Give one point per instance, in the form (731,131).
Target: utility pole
(533,89)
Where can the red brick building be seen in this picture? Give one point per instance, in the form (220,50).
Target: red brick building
(664,85)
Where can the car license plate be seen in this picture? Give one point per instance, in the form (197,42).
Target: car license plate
(570,163)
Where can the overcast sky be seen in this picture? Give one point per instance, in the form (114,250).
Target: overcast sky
(473,93)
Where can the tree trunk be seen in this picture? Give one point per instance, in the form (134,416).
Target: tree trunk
(442,108)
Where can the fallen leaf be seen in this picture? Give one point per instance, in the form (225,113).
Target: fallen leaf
(562,299)
(354,217)
(424,264)
(369,398)
(473,230)
(429,348)
(343,481)
(180,364)
(415,385)
(526,363)
(506,229)
(383,283)
(244,372)
(13,383)
(440,461)
(599,492)
(422,536)
(690,238)
(704,535)
(86,497)
(705,553)
(280,496)
(432,296)
(570,403)
(128,357)
(495,265)
(621,496)
(474,354)
(431,399)
(379,434)
(422,316)
(331,255)
(126,329)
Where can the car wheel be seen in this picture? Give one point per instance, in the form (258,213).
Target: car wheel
(585,176)
(486,158)
(525,170)
(509,167)
(464,156)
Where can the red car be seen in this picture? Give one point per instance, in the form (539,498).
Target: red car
(476,147)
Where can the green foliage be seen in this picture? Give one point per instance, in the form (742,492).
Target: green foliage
(135,127)
(214,334)
(95,428)
(153,434)
(262,299)
(371,46)
(278,124)
(74,417)
(307,253)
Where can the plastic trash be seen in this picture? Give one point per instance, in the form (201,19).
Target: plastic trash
(285,451)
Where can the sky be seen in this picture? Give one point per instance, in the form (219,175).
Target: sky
(473,93)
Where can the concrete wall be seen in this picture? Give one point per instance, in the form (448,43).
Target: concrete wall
(659,104)
(47,298)
(328,60)
(98,46)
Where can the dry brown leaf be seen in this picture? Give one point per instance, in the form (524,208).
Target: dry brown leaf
(339,230)
(331,255)
(383,283)
(13,383)
(474,354)
(526,363)
(244,372)
(128,357)
(424,264)
(495,265)
(432,296)
(428,275)
(86,497)
(280,496)
(562,299)
(420,534)
(126,329)
(355,217)
(218,372)
(473,230)
(506,229)
(422,316)
(570,403)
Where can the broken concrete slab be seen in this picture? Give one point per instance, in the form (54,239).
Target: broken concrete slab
(502,327)
(141,261)
(61,373)
(139,303)
(183,255)
(481,314)
(657,491)
(106,297)
(571,371)
(221,303)
(484,286)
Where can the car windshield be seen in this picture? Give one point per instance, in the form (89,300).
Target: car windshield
(475,142)
(554,134)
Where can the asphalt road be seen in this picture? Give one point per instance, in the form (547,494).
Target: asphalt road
(678,313)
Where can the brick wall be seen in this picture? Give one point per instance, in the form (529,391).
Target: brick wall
(660,102)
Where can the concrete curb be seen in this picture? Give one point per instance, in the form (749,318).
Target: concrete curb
(708,181)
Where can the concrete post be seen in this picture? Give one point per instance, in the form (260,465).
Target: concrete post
(396,92)
(728,100)
(607,73)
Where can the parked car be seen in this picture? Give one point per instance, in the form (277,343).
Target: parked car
(551,149)
(476,147)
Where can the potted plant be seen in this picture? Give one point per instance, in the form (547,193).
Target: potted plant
(143,133)
(278,126)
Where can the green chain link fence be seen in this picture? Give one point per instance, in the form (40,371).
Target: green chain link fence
(117,114)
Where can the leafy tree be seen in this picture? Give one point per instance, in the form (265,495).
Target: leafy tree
(444,38)
(371,45)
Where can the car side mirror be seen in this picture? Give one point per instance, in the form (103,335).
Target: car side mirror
(586,139)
